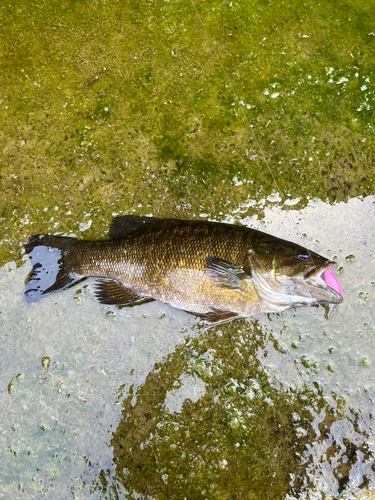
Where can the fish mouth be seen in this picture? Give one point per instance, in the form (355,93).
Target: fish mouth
(317,286)
(324,279)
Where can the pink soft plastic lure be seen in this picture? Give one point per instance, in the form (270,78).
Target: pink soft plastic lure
(332,281)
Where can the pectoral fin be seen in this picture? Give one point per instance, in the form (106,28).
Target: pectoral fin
(217,317)
(224,273)
(111,292)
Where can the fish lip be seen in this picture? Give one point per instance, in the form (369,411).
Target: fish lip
(317,274)
(319,270)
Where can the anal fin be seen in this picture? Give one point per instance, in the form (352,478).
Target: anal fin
(111,292)
(216,317)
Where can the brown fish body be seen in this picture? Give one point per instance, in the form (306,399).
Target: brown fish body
(168,263)
(201,267)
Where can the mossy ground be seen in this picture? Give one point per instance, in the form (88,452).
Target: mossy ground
(238,441)
(188,100)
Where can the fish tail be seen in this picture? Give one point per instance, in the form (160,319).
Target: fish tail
(52,270)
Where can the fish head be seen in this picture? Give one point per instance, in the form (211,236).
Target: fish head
(288,275)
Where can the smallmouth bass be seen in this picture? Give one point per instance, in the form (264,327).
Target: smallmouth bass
(217,270)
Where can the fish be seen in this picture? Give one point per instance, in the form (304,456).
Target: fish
(215,270)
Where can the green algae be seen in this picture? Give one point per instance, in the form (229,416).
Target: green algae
(136,106)
(214,437)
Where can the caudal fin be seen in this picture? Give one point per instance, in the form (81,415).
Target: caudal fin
(51,270)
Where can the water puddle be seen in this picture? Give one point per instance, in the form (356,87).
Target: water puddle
(142,402)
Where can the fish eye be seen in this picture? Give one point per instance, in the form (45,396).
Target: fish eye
(303,256)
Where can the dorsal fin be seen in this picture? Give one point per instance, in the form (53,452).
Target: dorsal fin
(126,224)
